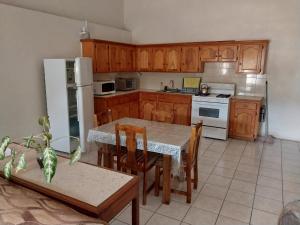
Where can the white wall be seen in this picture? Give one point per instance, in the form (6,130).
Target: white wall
(105,12)
(26,37)
(207,20)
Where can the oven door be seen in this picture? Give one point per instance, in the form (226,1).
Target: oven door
(213,114)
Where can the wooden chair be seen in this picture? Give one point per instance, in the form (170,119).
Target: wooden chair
(162,116)
(189,163)
(135,160)
(100,119)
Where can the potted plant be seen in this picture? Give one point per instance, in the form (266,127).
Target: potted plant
(40,143)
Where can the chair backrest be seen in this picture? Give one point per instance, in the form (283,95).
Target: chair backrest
(194,143)
(102,118)
(131,132)
(162,116)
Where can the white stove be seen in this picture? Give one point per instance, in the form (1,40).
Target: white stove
(213,110)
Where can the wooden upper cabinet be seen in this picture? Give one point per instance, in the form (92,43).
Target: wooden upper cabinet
(99,54)
(227,53)
(173,59)
(251,58)
(143,61)
(158,59)
(209,53)
(102,59)
(115,57)
(190,59)
(131,59)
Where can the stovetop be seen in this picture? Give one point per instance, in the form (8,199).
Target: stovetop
(212,97)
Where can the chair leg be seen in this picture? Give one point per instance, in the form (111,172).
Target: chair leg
(145,189)
(157,181)
(188,186)
(99,161)
(196,176)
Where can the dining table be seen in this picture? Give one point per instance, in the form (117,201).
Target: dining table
(163,138)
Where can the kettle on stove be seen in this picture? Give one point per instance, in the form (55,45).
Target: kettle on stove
(204,89)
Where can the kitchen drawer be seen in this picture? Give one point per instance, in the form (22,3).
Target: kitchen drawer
(148,96)
(246,105)
(175,98)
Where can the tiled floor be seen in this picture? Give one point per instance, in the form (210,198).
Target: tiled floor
(239,183)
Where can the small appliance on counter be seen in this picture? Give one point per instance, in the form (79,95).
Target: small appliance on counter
(126,84)
(104,87)
(204,90)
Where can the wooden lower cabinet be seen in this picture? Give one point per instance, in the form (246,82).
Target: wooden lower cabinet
(142,104)
(244,118)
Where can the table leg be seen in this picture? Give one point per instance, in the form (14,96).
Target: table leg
(167,160)
(135,210)
(107,156)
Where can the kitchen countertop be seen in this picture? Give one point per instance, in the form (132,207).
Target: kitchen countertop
(138,90)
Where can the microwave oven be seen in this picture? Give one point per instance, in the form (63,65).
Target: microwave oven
(126,84)
(104,87)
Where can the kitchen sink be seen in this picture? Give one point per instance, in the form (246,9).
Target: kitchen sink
(173,91)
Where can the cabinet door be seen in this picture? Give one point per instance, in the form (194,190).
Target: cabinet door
(147,107)
(227,53)
(158,59)
(182,114)
(173,59)
(249,58)
(131,59)
(89,50)
(134,109)
(123,58)
(244,123)
(143,59)
(120,111)
(209,53)
(114,58)
(102,60)
(190,59)
(166,106)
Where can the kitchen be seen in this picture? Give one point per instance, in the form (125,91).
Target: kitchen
(170,54)
(230,61)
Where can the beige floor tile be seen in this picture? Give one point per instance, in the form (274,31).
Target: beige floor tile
(291,177)
(218,180)
(236,211)
(153,202)
(197,216)
(174,210)
(290,196)
(222,220)
(267,205)
(240,197)
(263,218)
(248,169)
(270,182)
(276,174)
(208,203)
(242,186)
(291,187)
(227,164)
(125,216)
(117,222)
(270,165)
(158,219)
(214,191)
(224,172)
(244,176)
(268,192)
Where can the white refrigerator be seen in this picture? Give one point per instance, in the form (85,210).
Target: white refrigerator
(70,101)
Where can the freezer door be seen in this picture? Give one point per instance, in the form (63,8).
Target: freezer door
(85,107)
(83,71)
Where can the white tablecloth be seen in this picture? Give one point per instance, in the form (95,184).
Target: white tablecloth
(164,138)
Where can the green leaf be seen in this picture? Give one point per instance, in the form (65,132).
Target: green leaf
(47,136)
(44,122)
(4,144)
(28,141)
(8,168)
(75,155)
(50,163)
(21,163)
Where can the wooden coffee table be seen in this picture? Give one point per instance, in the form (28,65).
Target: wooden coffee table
(95,191)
